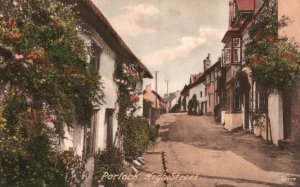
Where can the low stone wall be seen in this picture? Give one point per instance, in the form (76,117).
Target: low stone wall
(233,121)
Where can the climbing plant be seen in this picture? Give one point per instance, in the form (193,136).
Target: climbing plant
(275,62)
(135,132)
(126,76)
(48,80)
(42,55)
(27,156)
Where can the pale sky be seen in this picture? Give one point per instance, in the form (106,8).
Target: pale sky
(170,36)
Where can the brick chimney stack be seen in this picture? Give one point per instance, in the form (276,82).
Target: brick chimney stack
(206,62)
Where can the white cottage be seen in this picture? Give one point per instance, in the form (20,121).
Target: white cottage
(108,50)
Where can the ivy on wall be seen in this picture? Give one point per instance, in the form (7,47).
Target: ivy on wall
(46,60)
(134,132)
(27,153)
(126,76)
(44,65)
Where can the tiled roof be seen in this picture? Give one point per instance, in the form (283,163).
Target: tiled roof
(200,79)
(110,33)
(245,5)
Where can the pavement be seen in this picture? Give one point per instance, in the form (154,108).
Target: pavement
(195,151)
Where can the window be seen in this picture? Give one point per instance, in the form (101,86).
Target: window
(95,59)
(227,55)
(212,76)
(205,91)
(200,94)
(259,98)
(207,79)
(216,73)
(236,54)
(89,134)
(236,42)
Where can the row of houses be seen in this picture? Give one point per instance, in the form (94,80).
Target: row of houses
(203,87)
(226,88)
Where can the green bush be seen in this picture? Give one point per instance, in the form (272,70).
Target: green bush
(108,162)
(137,134)
(153,132)
(175,108)
(192,106)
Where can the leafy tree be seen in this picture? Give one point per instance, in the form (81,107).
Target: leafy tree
(275,62)
(192,105)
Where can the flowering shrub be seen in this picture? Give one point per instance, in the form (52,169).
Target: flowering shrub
(42,56)
(275,62)
(44,65)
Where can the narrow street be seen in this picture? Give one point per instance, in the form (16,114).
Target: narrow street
(194,151)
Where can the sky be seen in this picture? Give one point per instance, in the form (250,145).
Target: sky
(172,37)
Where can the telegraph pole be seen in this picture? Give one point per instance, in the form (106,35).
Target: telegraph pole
(156,89)
(167,81)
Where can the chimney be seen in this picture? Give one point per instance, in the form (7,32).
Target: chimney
(206,62)
(148,88)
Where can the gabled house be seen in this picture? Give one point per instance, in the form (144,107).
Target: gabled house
(157,106)
(173,99)
(184,97)
(240,15)
(155,99)
(197,90)
(193,88)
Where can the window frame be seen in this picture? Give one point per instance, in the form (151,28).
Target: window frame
(97,50)
(239,42)
(238,54)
